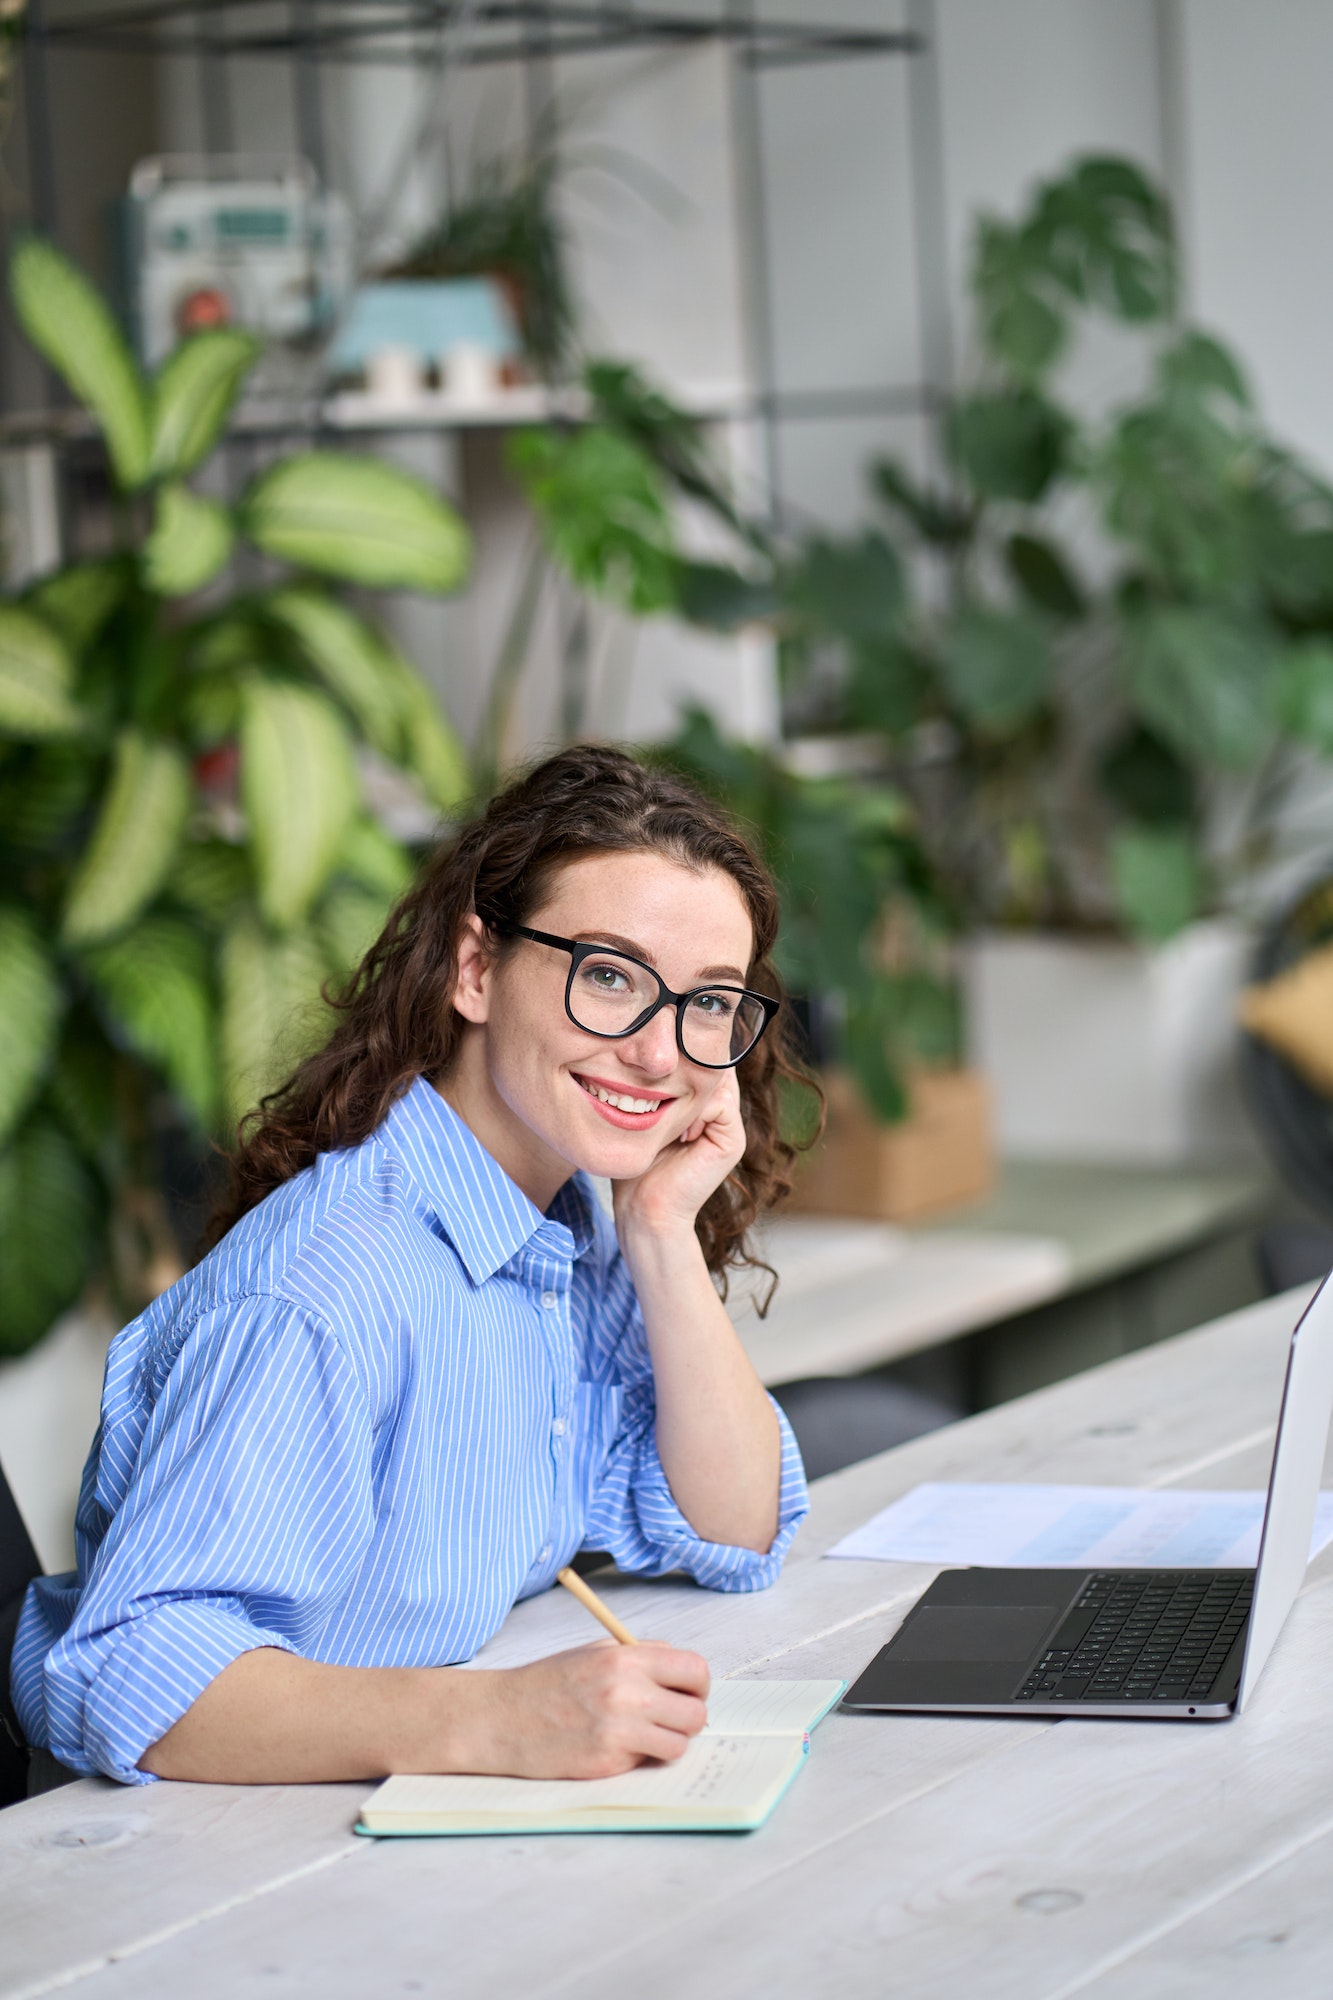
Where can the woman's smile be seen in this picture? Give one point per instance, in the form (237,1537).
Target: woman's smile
(632,1110)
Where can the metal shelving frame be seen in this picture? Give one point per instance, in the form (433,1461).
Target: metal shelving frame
(537,34)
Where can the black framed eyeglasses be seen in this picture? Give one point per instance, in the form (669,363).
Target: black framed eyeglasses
(611,994)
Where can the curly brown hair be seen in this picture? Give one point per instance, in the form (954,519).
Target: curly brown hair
(398,1020)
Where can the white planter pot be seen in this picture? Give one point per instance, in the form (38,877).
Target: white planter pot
(49,1404)
(1111,1051)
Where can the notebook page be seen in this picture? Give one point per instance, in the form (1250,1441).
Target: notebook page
(768,1708)
(725,1774)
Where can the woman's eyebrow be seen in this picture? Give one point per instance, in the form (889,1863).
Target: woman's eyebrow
(635,950)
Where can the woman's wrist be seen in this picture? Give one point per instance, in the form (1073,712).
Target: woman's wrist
(440,1719)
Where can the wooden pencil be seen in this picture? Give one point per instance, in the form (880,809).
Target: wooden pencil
(590,1601)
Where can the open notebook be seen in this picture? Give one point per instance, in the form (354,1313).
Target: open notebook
(728,1781)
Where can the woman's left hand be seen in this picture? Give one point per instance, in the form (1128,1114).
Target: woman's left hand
(670,1194)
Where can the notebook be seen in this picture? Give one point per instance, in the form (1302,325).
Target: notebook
(728,1781)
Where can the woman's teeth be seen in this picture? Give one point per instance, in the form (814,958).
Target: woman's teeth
(619,1102)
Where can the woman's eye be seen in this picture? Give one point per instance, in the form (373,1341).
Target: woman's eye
(716,1006)
(606,978)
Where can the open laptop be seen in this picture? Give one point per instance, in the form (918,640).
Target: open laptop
(1181,1645)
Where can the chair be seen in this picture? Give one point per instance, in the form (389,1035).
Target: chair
(1292,1253)
(840,1419)
(19,1564)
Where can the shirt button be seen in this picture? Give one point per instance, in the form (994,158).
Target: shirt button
(558,1427)
(544,1553)
(550,1300)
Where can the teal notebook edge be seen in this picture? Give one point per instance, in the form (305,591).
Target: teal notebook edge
(662,1823)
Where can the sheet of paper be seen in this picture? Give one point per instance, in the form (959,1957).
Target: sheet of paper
(1066,1527)
(720,1773)
(768,1708)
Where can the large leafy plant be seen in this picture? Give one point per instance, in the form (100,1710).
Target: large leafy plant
(865,924)
(1100,647)
(186,851)
(1094,652)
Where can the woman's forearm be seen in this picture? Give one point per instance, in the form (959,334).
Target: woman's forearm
(271,1718)
(717,1436)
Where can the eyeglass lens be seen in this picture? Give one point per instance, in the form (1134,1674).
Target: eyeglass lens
(608,993)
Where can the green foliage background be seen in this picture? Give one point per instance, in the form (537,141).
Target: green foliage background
(186,855)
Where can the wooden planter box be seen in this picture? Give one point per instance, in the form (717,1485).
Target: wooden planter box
(938,1157)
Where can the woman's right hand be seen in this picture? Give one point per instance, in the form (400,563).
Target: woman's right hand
(590,1713)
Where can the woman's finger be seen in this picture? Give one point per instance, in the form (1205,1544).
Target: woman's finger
(685,1714)
(664,1745)
(672,1667)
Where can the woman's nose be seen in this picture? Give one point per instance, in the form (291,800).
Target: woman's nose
(653,1048)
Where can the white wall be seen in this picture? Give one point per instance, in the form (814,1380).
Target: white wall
(1257,143)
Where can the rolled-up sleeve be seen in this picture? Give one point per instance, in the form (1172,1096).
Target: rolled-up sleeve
(247,1514)
(636,1520)
(632,1512)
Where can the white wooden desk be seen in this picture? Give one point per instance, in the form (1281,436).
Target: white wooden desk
(931,1857)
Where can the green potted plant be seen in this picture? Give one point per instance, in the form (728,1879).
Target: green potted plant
(865,943)
(1094,655)
(186,854)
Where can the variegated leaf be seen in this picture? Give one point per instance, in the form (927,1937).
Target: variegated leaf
(190,542)
(50,1230)
(299,788)
(272,1010)
(134,841)
(30,1008)
(69,323)
(154,986)
(358,519)
(193,393)
(352,661)
(36,679)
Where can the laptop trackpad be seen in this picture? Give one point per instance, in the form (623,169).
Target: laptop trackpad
(998,1632)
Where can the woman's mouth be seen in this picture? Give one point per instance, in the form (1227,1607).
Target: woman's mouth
(626,1109)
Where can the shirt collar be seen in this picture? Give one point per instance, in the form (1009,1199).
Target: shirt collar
(485,1215)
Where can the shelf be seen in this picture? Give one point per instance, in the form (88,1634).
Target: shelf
(356,412)
(497,31)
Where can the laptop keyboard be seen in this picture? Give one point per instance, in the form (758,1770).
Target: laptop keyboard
(1154,1635)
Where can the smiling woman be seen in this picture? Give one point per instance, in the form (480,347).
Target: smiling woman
(419,1368)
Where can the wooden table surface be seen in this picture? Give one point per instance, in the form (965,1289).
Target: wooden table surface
(923,1856)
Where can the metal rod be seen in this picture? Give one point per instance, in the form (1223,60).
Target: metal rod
(42,202)
(307,95)
(925,133)
(573,29)
(756,288)
(215,95)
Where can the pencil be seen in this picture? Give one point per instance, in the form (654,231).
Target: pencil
(590,1601)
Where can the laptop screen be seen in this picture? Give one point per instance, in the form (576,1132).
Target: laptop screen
(1293,1487)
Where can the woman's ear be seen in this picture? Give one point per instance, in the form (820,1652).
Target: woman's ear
(472,988)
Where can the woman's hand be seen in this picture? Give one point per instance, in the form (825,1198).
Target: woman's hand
(593,1712)
(668,1197)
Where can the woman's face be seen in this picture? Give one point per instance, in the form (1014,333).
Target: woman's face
(534,1087)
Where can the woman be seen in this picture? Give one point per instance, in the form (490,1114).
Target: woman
(419,1369)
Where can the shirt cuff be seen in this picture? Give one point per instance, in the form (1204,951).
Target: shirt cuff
(670,1543)
(105,1711)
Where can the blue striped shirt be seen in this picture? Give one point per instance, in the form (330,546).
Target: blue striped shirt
(395,1399)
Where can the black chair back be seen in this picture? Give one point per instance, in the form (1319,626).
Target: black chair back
(19,1564)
